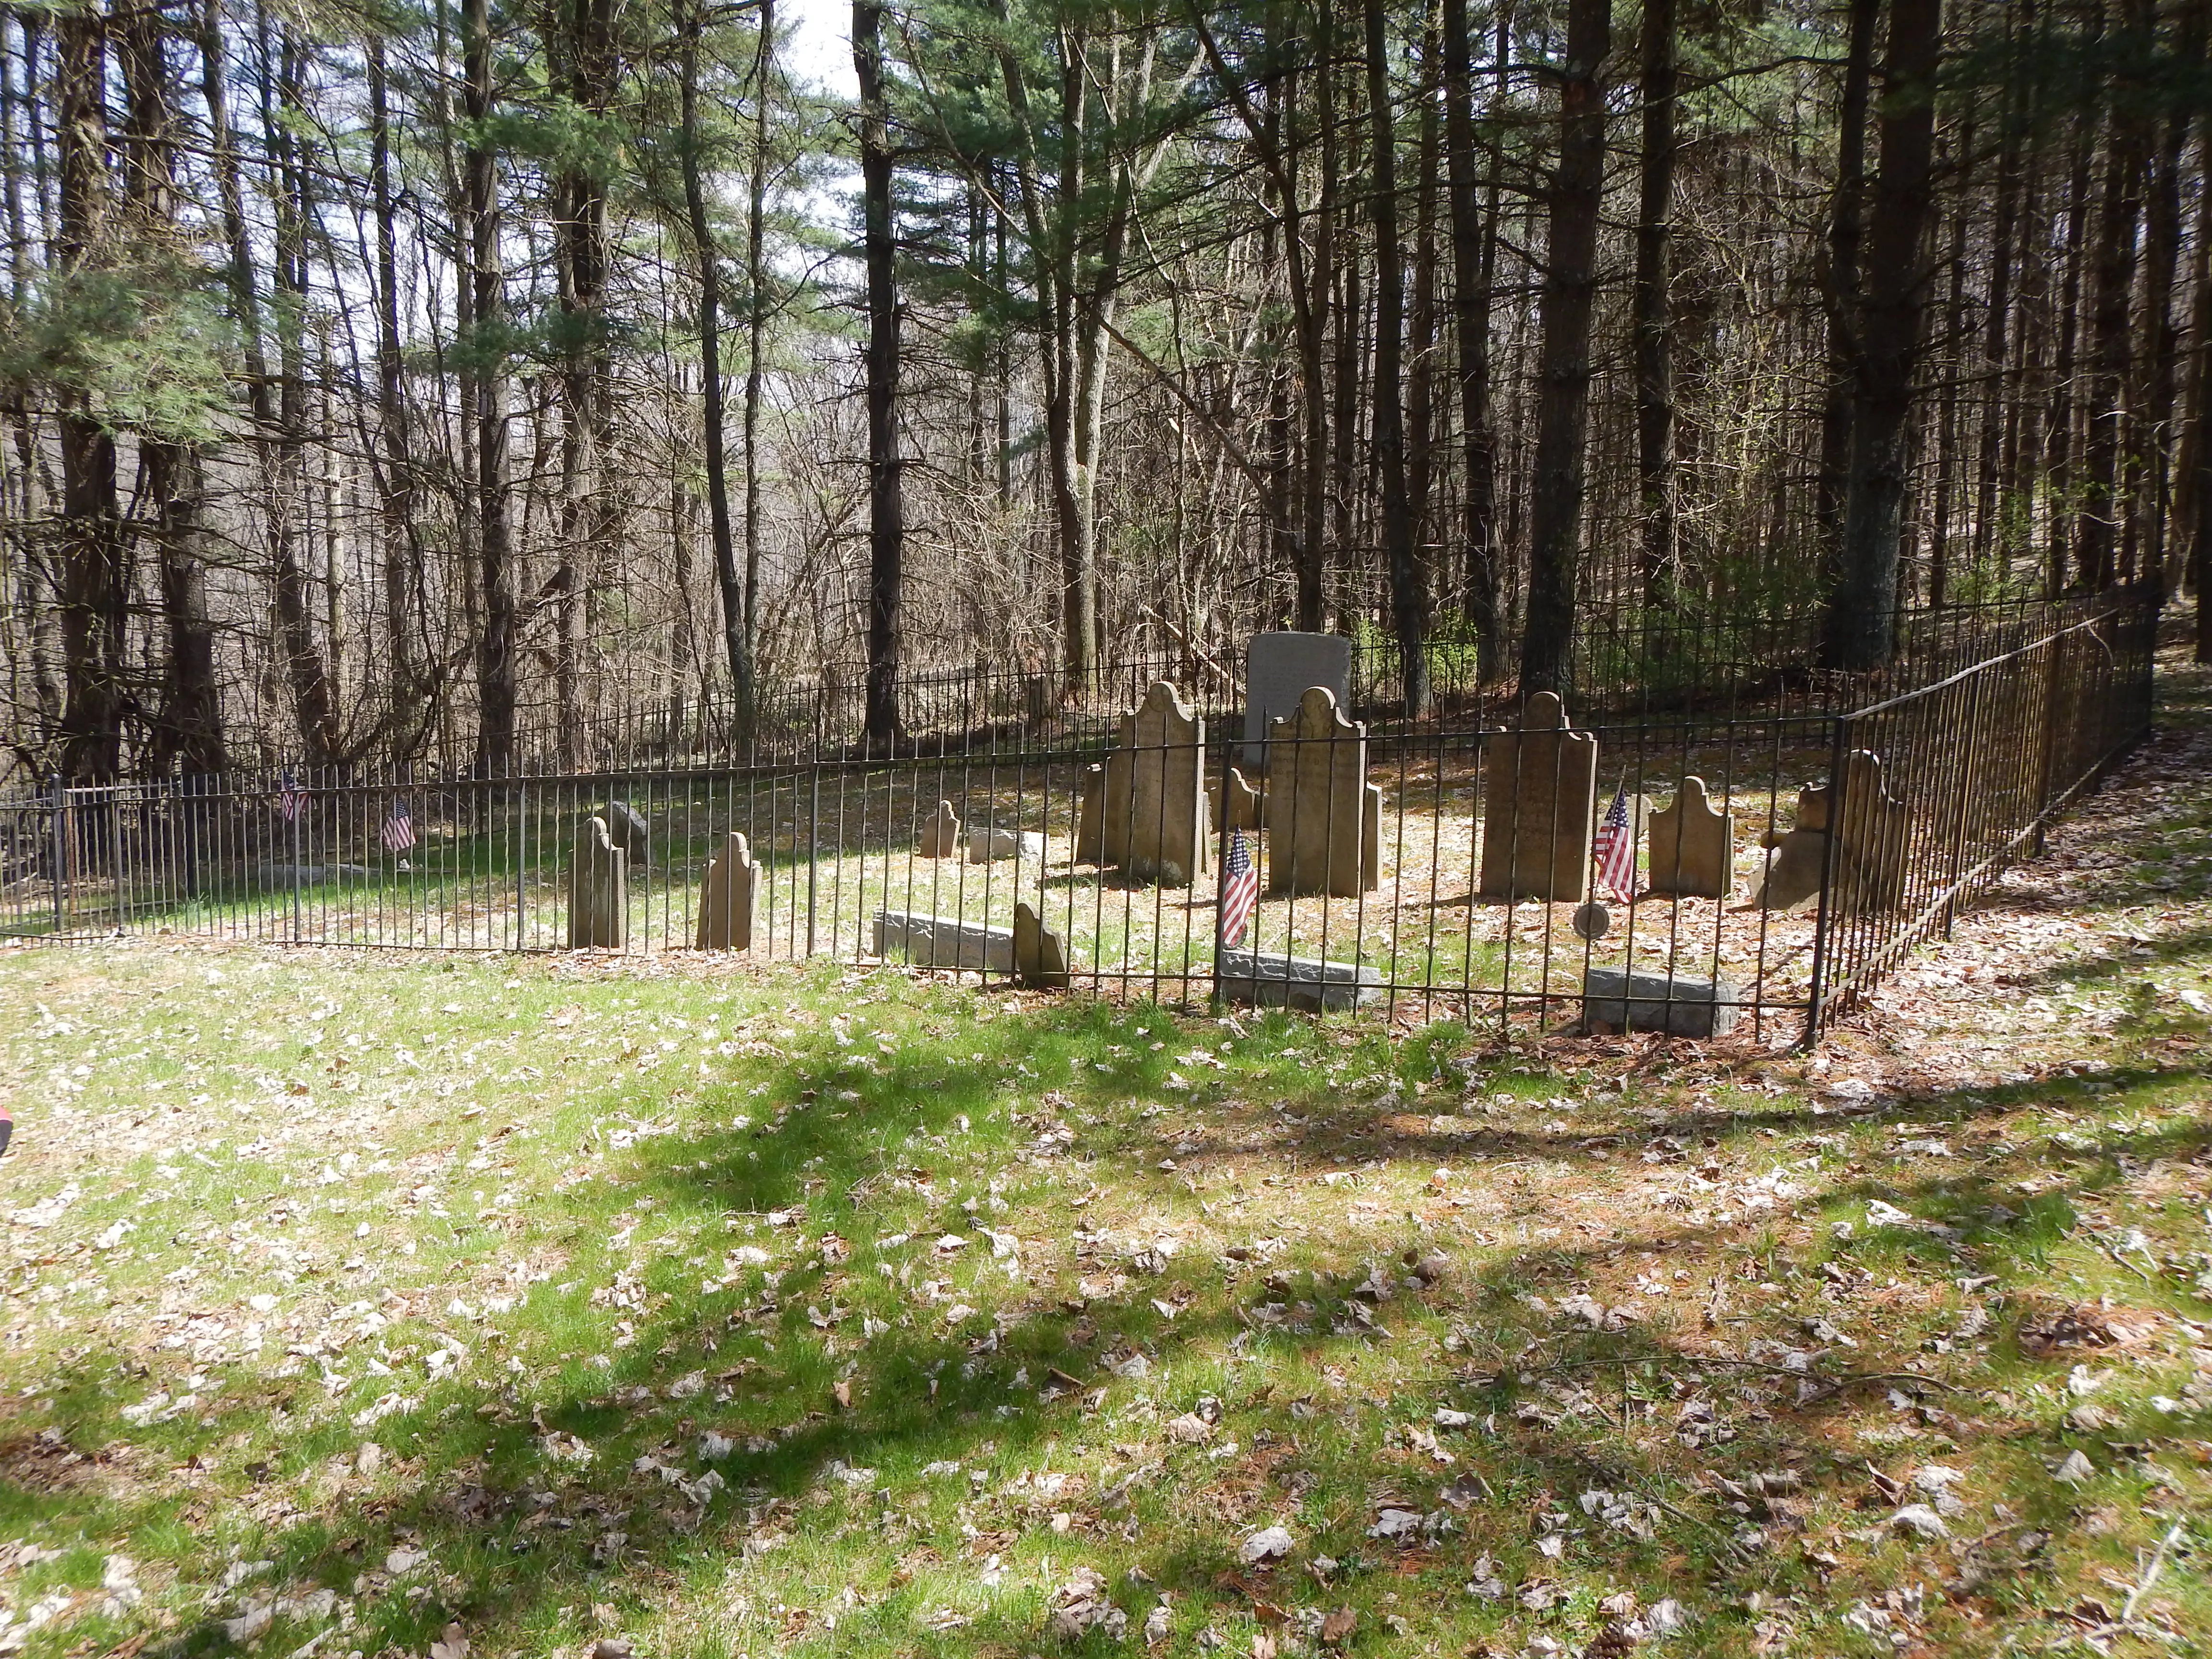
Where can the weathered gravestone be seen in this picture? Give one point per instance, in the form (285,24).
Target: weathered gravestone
(986,845)
(1265,980)
(1539,807)
(1322,822)
(1867,865)
(940,836)
(626,829)
(1235,803)
(599,890)
(1277,669)
(1693,846)
(1091,816)
(1672,1003)
(1039,958)
(933,941)
(1153,816)
(730,898)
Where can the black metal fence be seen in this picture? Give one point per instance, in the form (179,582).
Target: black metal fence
(1915,803)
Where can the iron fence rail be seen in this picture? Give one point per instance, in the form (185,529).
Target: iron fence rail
(1965,770)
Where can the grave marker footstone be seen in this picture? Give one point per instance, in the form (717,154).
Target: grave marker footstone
(1693,846)
(940,836)
(1039,958)
(1277,669)
(1237,802)
(599,890)
(626,829)
(730,898)
(1320,837)
(1539,807)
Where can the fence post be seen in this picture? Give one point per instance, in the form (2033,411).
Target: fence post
(813,846)
(1825,917)
(61,853)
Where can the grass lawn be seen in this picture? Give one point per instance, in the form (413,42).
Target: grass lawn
(376,1305)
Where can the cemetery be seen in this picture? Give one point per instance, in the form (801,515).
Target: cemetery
(1779,855)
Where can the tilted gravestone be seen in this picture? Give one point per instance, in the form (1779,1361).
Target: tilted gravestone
(599,890)
(1277,669)
(1091,816)
(940,836)
(1039,958)
(1154,819)
(1322,823)
(1693,846)
(626,829)
(933,941)
(1867,864)
(1539,807)
(730,898)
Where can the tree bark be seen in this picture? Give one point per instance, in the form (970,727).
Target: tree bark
(1650,327)
(1570,291)
(404,599)
(93,571)
(495,644)
(1474,242)
(1839,283)
(886,522)
(1409,598)
(757,307)
(1860,627)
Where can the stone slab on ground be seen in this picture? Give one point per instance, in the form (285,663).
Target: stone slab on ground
(1265,980)
(934,941)
(986,845)
(1672,1003)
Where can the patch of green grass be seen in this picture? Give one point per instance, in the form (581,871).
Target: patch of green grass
(817,1311)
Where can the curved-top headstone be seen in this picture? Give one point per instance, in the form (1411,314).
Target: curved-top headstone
(940,836)
(730,898)
(1318,834)
(1692,846)
(1539,806)
(1155,816)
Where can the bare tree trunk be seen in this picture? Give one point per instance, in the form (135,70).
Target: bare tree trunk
(1409,598)
(94,584)
(1474,245)
(188,724)
(1840,282)
(497,644)
(404,600)
(1860,629)
(757,281)
(886,523)
(1564,370)
(1651,323)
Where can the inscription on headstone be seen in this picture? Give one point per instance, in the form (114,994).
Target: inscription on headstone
(1323,821)
(730,898)
(599,890)
(1539,807)
(1692,846)
(1277,669)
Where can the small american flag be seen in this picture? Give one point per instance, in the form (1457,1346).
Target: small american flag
(398,828)
(1615,849)
(290,798)
(1240,889)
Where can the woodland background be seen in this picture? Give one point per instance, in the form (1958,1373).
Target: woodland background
(379,378)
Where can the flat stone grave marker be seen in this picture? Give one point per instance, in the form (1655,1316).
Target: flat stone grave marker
(730,898)
(933,941)
(1539,807)
(1277,669)
(986,845)
(1672,1003)
(1266,980)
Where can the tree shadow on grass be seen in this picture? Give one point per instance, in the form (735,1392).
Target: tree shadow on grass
(529,1502)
